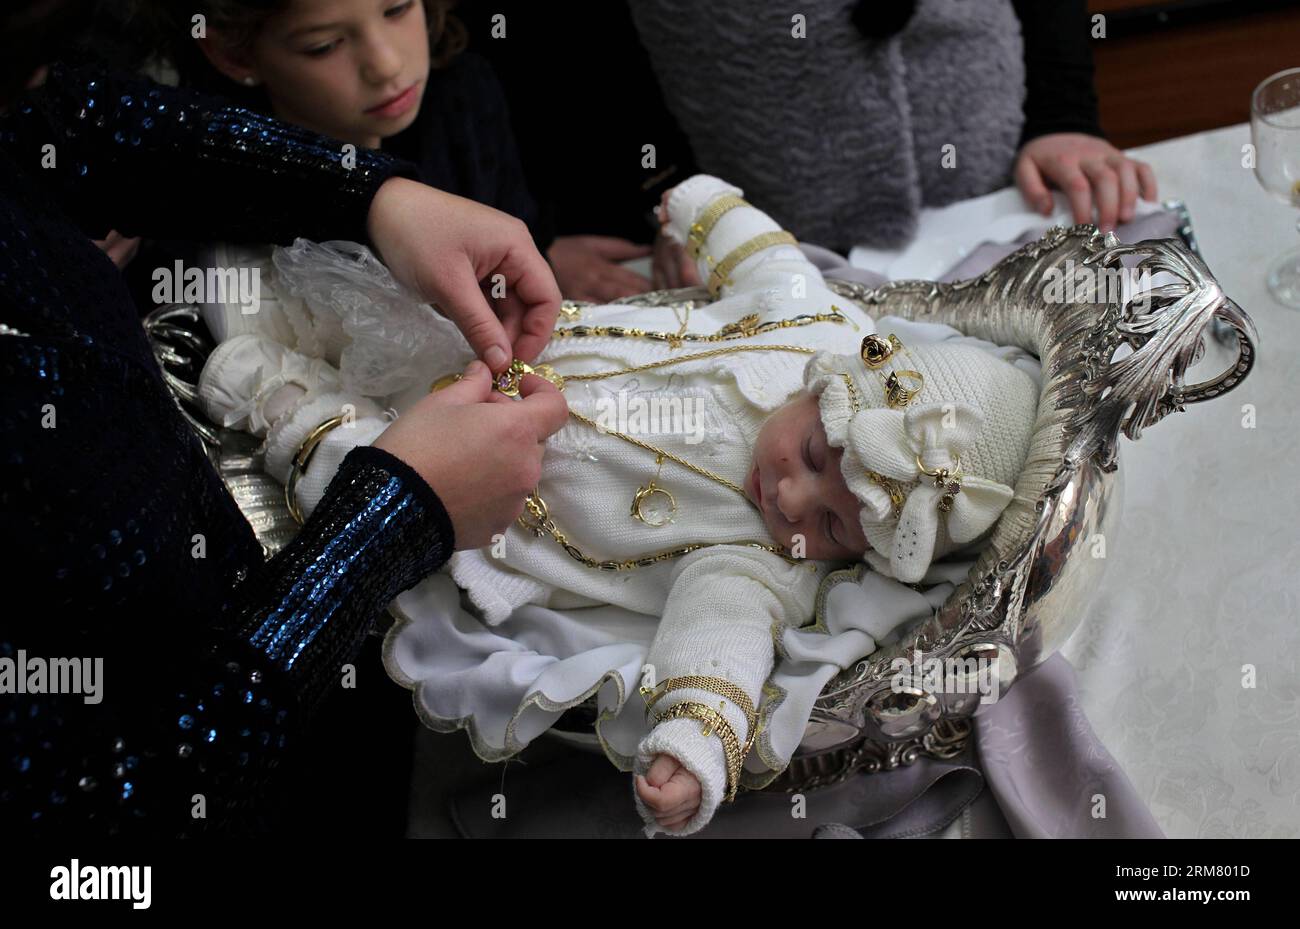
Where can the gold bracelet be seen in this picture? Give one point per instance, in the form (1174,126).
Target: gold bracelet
(701,228)
(721,274)
(714,724)
(299,464)
(717,685)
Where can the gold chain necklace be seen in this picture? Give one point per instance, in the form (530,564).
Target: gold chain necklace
(744,328)
(536,517)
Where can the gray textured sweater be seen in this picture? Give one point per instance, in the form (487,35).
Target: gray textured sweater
(840,138)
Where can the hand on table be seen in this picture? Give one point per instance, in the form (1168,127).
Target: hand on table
(670,791)
(450,251)
(1090,171)
(480,450)
(587,267)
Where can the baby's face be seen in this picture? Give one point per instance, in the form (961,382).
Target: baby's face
(797,485)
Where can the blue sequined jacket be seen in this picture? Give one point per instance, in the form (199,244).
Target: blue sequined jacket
(119,541)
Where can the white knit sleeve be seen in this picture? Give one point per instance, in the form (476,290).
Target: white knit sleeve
(726,606)
(686,204)
(363,422)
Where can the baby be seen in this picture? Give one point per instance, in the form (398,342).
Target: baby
(816,442)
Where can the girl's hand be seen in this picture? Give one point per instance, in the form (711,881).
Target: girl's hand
(670,792)
(588,267)
(1090,171)
(672,267)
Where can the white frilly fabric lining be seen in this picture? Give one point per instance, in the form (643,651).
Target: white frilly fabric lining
(509,683)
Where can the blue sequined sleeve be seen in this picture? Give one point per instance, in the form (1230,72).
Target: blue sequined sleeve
(122,152)
(293,625)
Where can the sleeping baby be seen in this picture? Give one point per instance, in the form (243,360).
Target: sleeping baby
(797,439)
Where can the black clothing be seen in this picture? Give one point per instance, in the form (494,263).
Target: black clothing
(462,142)
(120,541)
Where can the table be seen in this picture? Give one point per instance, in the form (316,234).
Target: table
(1202,583)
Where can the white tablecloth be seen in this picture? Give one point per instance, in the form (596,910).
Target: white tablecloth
(1203,581)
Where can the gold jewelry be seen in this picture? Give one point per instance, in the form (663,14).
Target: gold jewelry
(536,516)
(744,328)
(947,481)
(718,685)
(701,228)
(897,395)
(507,382)
(537,520)
(445,381)
(897,491)
(721,275)
(299,463)
(647,493)
(875,353)
(714,724)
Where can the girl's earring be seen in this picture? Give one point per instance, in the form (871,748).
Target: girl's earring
(250,81)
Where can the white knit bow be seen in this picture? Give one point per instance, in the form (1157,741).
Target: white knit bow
(890,442)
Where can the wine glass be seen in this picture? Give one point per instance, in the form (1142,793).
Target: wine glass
(1275,130)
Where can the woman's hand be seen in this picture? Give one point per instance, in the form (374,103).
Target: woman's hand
(460,255)
(670,791)
(1090,171)
(587,267)
(479,450)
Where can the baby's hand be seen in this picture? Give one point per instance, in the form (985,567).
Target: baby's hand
(670,791)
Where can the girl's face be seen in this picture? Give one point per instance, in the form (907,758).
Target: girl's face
(352,69)
(797,484)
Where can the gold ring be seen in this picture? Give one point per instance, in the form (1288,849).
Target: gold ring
(896,395)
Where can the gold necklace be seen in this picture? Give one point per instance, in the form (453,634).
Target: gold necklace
(744,328)
(536,517)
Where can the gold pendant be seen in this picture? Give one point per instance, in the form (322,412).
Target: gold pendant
(651,513)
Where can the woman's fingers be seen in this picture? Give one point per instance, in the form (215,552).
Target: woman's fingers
(1032,187)
(530,304)
(1146,180)
(1066,174)
(1126,171)
(1105,191)
(443,246)
(543,405)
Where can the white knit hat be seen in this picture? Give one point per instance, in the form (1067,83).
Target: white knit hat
(971,406)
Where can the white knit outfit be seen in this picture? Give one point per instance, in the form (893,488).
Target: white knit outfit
(722,608)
